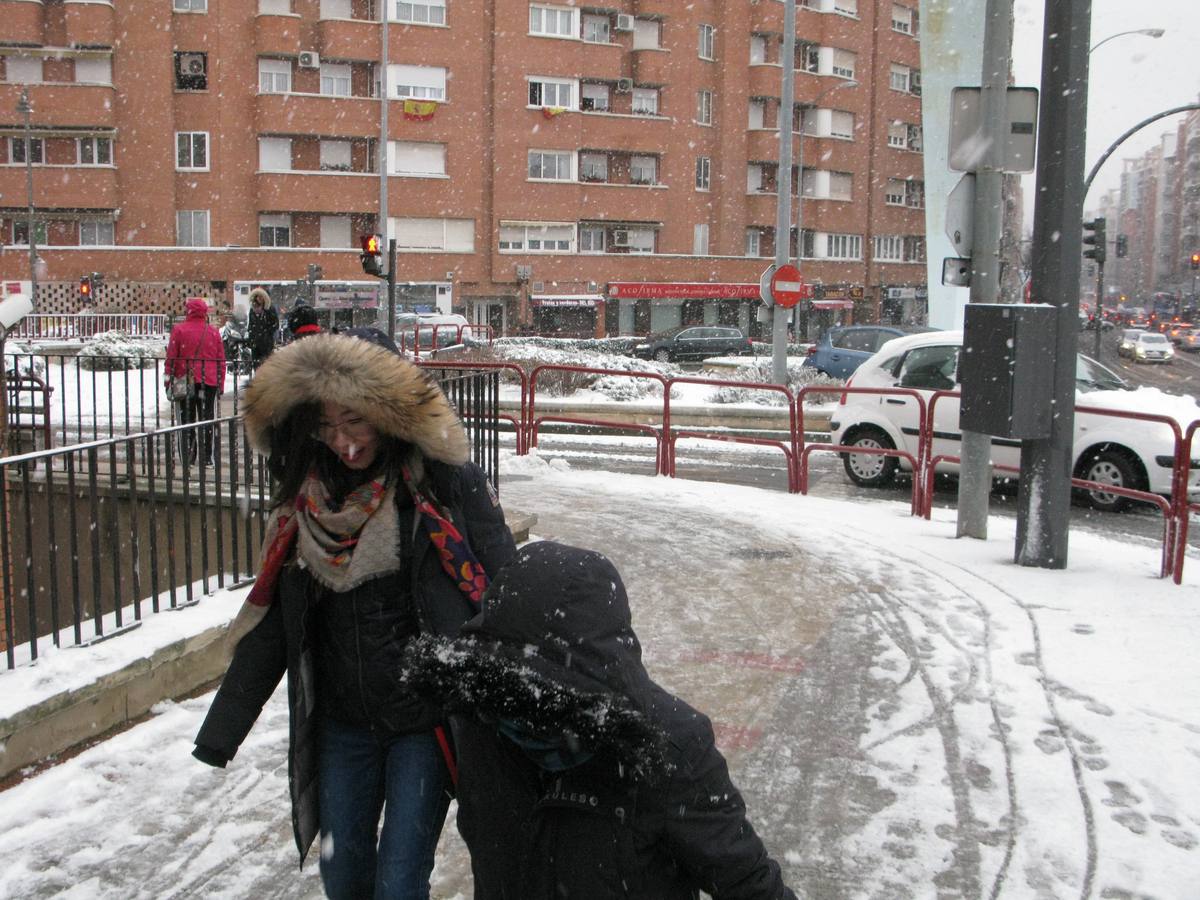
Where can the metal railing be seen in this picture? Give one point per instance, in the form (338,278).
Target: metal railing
(81,326)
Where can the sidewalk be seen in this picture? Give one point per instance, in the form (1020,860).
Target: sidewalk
(908,715)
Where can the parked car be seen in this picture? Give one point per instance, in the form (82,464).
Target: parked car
(1176,331)
(1128,337)
(694,342)
(1190,340)
(1107,449)
(1151,346)
(840,351)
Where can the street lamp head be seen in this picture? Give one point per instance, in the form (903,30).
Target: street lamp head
(1154,32)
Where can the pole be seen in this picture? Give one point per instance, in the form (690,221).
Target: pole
(1044,495)
(391,289)
(26,110)
(783,205)
(975,473)
(1099,320)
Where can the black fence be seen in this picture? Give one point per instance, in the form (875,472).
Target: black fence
(98,534)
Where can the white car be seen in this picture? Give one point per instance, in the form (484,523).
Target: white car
(1128,338)
(1150,346)
(1110,450)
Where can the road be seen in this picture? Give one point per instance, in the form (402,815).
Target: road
(1180,376)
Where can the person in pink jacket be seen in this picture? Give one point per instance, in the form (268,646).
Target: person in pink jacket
(196,355)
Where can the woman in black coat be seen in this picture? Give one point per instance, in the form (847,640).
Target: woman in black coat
(580,777)
(381,529)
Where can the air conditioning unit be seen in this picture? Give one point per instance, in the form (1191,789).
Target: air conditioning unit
(538,287)
(624,85)
(624,22)
(309,60)
(191,64)
(619,238)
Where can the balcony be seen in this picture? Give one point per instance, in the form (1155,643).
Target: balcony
(763,144)
(652,67)
(318,192)
(765,80)
(277,35)
(62,187)
(767,17)
(88,24)
(346,39)
(23,23)
(636,134)
(318,115)
(65,105)
(762,209)
(658,8)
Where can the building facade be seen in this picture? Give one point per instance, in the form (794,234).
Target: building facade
(608,169)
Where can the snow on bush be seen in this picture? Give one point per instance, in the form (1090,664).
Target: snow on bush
(111,351)
(761,371)
(23,359)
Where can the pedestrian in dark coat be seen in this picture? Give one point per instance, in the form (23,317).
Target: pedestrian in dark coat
(381,529)
(580,777)
(262,328)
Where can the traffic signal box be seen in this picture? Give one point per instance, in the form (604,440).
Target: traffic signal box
(372,255)
(1196,260)
(1095,239)
(85,288)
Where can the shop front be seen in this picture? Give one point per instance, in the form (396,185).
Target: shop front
(641,307)
(568,315)
(904,304)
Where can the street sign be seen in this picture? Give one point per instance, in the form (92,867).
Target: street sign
(960,216)
(786,287)
(967,144)
(764,285)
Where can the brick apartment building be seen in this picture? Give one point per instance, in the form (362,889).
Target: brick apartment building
(599,169)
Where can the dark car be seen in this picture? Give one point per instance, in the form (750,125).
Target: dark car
(839,351)
(694,342)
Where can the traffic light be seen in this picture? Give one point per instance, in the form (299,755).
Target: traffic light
(1122,246)
(85,288)
(372,255)
(1196,260)
(1094,239)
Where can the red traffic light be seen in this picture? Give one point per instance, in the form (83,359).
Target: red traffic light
(85,287)
(1196,260)
(370,244)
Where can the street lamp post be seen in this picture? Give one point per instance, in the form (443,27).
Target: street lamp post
(802,312)
(26,111)
(1148,32)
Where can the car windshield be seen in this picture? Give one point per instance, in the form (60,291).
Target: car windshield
(1091,376)
(1153,339)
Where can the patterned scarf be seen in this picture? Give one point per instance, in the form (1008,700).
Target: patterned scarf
(455,554)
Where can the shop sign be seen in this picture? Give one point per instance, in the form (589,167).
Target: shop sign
(565,300)
(682,290)
(346,296)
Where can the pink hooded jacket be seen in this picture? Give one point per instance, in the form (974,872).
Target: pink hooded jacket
(195,347)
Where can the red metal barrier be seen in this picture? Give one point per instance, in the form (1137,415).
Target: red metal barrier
(460,332)
(789,449)
(520,424)
(1183,508)
(660,461)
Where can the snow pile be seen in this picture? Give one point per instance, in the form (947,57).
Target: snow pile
(115,350)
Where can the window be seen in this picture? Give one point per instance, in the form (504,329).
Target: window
(274,7)
(841,124)
(645,101)
(191,228)
(553,21)
(843,246)
(591,238)
(190,5)
(23,69)
(898,135)
(274,76)
(899,78)
(274,154)
(597,29)
(593,167)
(335,232)
(893,194)
(425,12)
(915,138)
(96,233)
(335,80)
(889,248)
(932,368)
(703,173)
(843,63)
(708,38)
(537,238)
(754,242)
(275,231)
(418,158)
(16,151)
(647,34)
(841,186)
(914,194)
(552,92)
(418,82)
(335,156)
(704,107)
(846,7)
(700,240)
(20,231)
(914,248)
(451,235)
(902,19)
(758,49)
(638,240)
(551,165)
(593,97)
(335,9)
(94,151)
(191,150)
(756,113)
(643,169)
(93,71)
(191,71)
(808,58)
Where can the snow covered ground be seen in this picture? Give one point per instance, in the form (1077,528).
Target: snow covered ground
(909,715)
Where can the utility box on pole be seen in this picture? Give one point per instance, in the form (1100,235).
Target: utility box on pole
(1005,392)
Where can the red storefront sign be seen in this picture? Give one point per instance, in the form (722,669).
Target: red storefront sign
(681,290)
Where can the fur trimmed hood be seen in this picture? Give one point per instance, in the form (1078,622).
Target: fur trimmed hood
(395,396)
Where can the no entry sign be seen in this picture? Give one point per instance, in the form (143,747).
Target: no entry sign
(786,287)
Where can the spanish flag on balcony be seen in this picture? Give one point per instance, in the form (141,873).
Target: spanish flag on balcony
(420,110)
(551,111)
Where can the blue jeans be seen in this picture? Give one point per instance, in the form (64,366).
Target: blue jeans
(360,775)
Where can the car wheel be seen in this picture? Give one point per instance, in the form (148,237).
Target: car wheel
(870,469)
(662,355)
(1113,467)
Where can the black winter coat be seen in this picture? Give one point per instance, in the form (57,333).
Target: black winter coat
(282,640)
(261,331)
(651,813)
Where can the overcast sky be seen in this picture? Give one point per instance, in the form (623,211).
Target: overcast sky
(1132,77)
